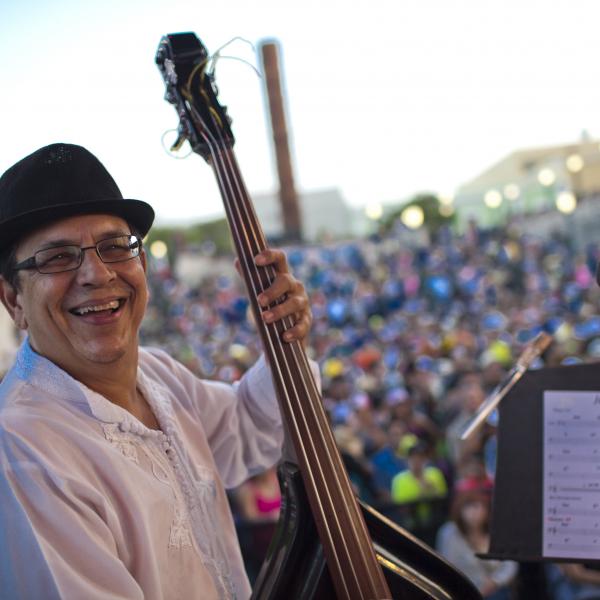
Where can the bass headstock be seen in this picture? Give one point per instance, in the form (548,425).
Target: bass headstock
(183,62)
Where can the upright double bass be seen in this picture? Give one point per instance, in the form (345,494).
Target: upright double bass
(327,544)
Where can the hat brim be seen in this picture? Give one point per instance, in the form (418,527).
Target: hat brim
(136,212)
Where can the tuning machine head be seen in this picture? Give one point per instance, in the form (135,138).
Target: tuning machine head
(184,65)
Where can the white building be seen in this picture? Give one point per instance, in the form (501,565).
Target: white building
(531,181)
(325,214)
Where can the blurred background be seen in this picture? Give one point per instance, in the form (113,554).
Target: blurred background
(445,169)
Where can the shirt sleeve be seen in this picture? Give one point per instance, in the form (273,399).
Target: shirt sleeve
(42,558)
(247,437)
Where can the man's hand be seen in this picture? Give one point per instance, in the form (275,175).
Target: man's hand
(292,297)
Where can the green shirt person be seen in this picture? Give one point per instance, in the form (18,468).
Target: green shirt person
(417,485)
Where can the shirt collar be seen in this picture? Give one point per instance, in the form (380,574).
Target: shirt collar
(43,374)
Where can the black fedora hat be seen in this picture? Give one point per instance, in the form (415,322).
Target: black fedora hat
(59,181)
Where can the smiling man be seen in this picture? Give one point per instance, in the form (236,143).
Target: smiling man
(114,458)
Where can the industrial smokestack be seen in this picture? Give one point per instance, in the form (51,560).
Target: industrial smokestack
(290,209)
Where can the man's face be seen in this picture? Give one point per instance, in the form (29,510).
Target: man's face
(417,462)
(51,306)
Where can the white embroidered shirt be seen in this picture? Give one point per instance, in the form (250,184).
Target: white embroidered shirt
(93,504)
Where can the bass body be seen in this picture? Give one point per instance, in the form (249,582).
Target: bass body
(295,566)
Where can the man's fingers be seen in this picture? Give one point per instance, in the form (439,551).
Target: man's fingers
(283,284)
(300,329)
(291,306)
(285,298)
(271,256)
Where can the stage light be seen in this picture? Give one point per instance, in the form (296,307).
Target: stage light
(158,249)
(574,163)
(413,216)
(546,176)
(566,202)
(492,198)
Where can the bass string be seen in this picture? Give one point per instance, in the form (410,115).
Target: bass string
(358,537)
(222,174)
(257,286)
(297,351)
(355,520)
(340,480)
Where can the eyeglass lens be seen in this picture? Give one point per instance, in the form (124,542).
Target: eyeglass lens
(66,258)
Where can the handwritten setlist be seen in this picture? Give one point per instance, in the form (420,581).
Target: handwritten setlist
(571,475)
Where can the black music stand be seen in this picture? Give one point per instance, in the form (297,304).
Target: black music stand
(518,505)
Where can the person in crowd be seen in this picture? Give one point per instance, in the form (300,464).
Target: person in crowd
(114,458)
(473,477)
(573,581)
(421,480)
(471,395)
(258,503)
(360,471)
(386,459)
(259,498)
(416,422)
(465,535)
(419,489)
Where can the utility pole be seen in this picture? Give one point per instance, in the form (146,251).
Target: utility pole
(290,209)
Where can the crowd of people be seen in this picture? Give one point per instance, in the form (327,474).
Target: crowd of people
(410,340)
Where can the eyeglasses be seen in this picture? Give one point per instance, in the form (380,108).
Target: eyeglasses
(68,258)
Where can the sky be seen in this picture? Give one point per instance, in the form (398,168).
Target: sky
(385,99)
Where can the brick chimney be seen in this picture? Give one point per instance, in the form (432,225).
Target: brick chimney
(290,209)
